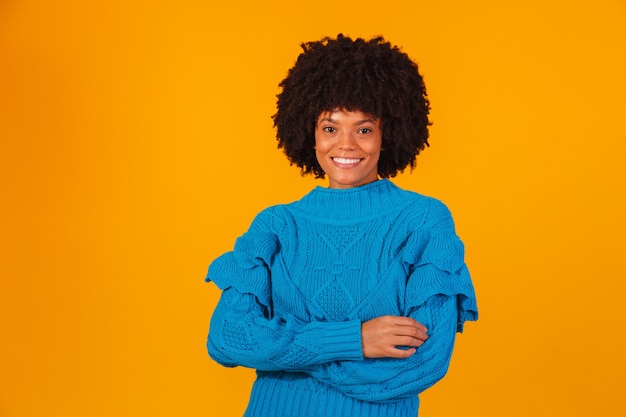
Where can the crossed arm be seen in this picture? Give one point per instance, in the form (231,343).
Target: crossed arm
(386,357)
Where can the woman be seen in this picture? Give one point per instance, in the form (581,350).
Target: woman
(347,301)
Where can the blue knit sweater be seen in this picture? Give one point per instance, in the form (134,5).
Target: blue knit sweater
(302,279)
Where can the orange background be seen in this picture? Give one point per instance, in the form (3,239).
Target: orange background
(137,144)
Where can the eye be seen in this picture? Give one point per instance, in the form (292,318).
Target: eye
(329,129)
(365,130)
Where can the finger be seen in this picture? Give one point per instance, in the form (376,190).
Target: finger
(409,322)
(409,331)
(401,353)
(409,341)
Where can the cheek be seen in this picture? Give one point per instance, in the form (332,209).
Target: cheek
(374,148)
(320,144)
(319,155)
(317,145)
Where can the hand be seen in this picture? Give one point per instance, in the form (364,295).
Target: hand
(382,335)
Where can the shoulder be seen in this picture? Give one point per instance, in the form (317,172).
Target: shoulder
(272,219)
(429,213)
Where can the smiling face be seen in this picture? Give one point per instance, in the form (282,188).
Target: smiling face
(347,147)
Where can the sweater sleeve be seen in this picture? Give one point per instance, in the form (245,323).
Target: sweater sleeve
(244,331)
(434,261)
(241,333)
(391,378)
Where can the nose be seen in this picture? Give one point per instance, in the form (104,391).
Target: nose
(346,142)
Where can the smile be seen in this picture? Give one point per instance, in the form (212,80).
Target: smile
(347,161)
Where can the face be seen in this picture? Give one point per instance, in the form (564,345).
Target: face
(347,147)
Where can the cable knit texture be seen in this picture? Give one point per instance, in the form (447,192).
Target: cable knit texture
(302,279)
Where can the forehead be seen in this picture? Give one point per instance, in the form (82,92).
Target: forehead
(346,116)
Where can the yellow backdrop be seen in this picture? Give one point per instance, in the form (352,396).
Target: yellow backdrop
(137,144)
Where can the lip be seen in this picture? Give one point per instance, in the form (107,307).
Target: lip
(343,162)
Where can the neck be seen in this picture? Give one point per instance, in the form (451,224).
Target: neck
(352,204)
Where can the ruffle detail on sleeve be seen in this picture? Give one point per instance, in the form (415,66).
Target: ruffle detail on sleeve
(247,267)
(435,263)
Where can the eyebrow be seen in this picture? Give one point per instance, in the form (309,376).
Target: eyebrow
(360,122)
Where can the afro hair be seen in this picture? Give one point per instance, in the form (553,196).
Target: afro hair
(372,76)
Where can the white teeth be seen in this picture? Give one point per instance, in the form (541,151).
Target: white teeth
(346,161)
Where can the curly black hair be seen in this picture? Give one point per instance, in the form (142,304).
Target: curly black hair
(367,75)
